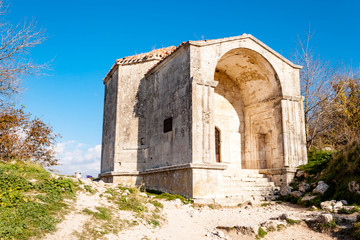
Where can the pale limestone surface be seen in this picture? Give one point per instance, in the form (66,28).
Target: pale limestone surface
(238,85)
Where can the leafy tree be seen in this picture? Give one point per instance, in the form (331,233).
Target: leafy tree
(345,109)
(331,99)
(26,139)
(21,137)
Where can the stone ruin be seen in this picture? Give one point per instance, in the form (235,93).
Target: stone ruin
(211,119)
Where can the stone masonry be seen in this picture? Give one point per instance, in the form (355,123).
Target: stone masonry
(208,119)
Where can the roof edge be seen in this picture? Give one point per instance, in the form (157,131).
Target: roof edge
(153,68)
(244,36)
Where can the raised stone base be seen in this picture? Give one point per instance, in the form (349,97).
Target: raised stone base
(126,179)
(189,180)
(280,175)
(205,183)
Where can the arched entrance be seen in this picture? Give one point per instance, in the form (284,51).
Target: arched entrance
(247,110)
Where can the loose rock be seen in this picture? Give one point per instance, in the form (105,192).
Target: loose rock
(303,187)
(338,205)
(354,187)
(283,216)
(285,190)
(328,205)
(300,174)
(321,187)
(307,198)
(296,194)
(325,218)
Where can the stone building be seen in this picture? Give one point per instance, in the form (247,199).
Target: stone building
(208,119)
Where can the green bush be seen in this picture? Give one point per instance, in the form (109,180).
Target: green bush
(317,161)
(56,186)
(261,232)
(342,169)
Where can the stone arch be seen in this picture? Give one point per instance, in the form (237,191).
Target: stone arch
(247,108)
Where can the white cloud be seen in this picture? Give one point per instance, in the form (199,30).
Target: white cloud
(78,157)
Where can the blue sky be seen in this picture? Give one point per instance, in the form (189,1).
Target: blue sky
(85,37)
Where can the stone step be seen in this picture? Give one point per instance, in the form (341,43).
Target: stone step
(249,185)
(249,189)
(246,175)
(248,179)
(248,197)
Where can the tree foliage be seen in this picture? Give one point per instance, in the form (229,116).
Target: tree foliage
(21,137)
(345,109)
(331,99)
(26,139)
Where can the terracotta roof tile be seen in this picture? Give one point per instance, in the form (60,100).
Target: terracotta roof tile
(157,54)
(176,48)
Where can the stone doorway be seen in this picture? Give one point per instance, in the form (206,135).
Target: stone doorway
(263,150)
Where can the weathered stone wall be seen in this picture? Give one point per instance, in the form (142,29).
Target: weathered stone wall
(173,181)
(123,147)
(168,92)
(264,141)
(109,123)
(229,118)
(131,146)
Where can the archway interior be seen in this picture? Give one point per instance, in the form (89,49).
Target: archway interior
(244,110)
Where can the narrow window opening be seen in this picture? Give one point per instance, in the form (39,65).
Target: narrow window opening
(218,144)
(168,125)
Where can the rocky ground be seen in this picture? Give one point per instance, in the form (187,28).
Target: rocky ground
(105,211)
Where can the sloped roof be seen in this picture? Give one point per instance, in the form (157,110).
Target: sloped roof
(160,53)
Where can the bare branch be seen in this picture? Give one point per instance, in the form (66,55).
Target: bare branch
(15,45)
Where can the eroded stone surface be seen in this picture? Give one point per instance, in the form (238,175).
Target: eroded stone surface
(207,119)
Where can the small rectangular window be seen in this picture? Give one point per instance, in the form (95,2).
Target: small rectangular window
(168,125)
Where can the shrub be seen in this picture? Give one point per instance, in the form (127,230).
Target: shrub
(27,208)
(261,232)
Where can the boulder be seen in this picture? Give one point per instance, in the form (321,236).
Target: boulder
(285,190)
(313,208)
(307,198)
(328,205)
(321,187)
(338,205)
(344,202)
(271,225)
(354,187)
(324,218)
(284,216)
(296,194)
(303,187)
(300,174)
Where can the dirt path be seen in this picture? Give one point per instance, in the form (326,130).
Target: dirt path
(180,221)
